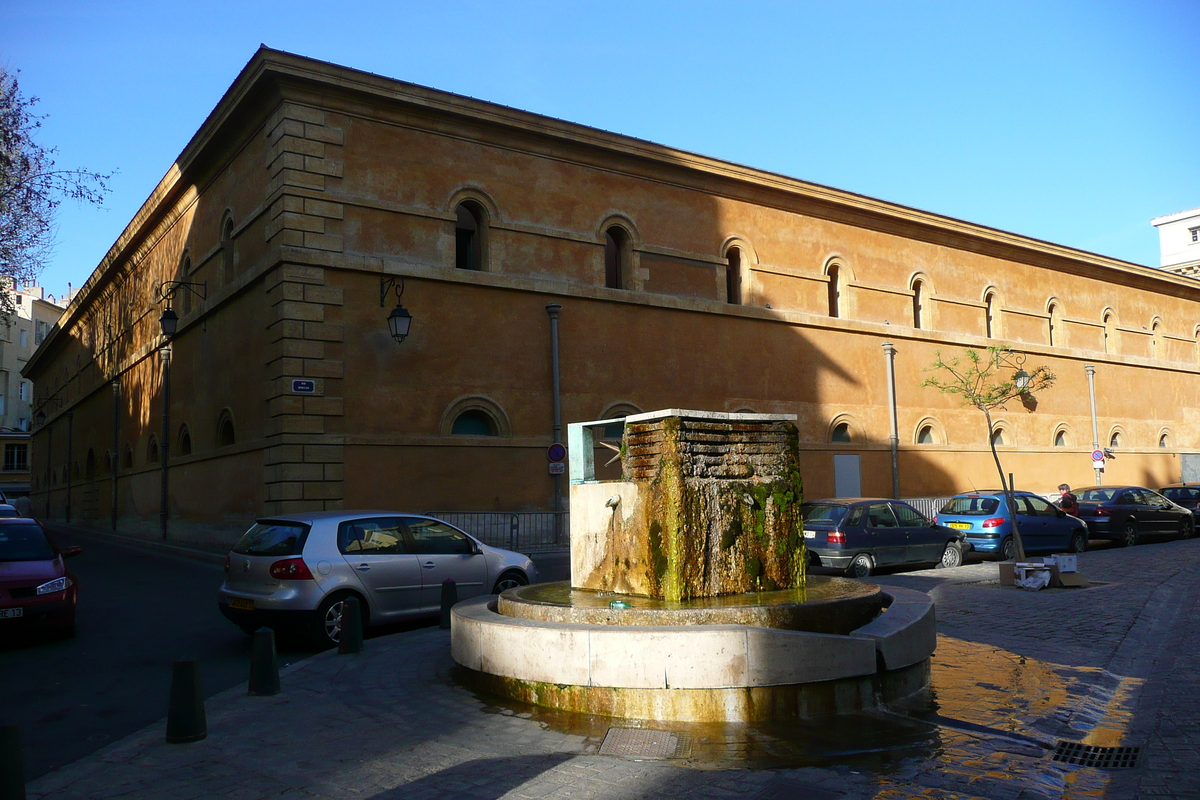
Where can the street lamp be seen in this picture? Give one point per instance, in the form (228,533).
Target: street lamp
(1011,358)
(169,321)
(399,321)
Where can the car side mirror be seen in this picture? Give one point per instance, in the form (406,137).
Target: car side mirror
(72,551)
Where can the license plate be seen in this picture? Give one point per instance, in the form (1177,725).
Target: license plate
(11,613)
(241,604)
(810,534)
(959,526)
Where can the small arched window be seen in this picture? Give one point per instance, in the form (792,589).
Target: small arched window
(835,291)
(152,450)
(989,311)
(1060,439)
(225,432)
(1053,323)
(468,236)
(616,243)
(926,435)
(918,304)
(1115,439)
(1164,440)
(733,276)
(109,462)
(1108,332)
(998,438)
(841,433)
(127,459)
(473,422)
(227,248)
(185,441)
(89,464)
(1155,339)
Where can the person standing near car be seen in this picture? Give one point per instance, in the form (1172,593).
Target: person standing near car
(1068,502)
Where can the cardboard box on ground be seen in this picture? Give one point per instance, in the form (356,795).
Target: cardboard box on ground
(1056,571)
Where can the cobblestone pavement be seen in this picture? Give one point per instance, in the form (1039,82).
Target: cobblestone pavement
(1015,672)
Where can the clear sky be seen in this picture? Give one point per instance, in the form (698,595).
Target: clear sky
(1073,122)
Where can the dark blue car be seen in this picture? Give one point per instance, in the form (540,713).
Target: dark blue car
(861,534)
(983,516)
(1127,514)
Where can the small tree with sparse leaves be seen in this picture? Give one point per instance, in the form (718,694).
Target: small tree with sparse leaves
(982,380)
(32,186)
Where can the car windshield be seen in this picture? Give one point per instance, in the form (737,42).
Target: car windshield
(24,543)
(1182,493)
(272,538)
(822,512)
(1097,495)
(968,506)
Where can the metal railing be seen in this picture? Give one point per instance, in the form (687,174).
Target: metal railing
(520,531)
(929,506)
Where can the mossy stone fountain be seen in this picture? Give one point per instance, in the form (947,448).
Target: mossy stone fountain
(688,597)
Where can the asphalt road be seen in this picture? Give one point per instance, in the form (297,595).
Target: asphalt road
(139,612)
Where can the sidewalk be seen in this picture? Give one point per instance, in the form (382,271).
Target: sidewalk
(1015,672)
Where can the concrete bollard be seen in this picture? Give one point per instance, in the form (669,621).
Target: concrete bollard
(351,639)
(449,598)
(264,670)
(185,717)
(12,774)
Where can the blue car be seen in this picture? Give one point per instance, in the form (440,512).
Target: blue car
(983,517)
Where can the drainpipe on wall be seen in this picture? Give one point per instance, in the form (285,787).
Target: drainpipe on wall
(116,451)
(553,310)
(164,446)
(1091,378)
(894,437)
(70,449)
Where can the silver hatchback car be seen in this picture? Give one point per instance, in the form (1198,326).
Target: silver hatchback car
(294,570)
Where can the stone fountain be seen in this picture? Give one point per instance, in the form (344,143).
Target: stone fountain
(688,597)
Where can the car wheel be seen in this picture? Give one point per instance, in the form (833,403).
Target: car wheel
(327,622)
(509,580)
(952,556)
(1129,534)
(1187,529)
(1079,541)
(861,566)
(1008,549)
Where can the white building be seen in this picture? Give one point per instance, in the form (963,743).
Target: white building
(1179,241)
(36,313)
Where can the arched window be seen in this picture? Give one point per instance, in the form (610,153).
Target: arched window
(1156,339)
(835,292)
(89,462)
(473,422)
(1060,439)
(1164,440)
(1115,439)
(152,450)
(468,236)
(617,429)
(127,459)
(926,435)
(1053,323)
(616,246)
(841,433)
(733,276)
(1109,332)
(998,437)
(184,299)
(990,310)
(227,247)
(225,432)
(109,462)
(185,441)
(918,289)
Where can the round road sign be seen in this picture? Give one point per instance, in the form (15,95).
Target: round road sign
(1097,455)
(556,452)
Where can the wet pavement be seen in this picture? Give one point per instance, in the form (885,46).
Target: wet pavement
(1016,675)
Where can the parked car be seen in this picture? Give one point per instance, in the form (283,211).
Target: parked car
(294,571)
(1127,514)
(983,517)
(1183,494)
(9,511)
(37,591)
(862,534)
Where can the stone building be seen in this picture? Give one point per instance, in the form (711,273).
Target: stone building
(313,193)
(1179,241)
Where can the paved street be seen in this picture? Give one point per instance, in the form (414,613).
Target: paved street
(1015,673)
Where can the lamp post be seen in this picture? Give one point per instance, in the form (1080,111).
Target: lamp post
(399,321)
(894,431)
(1090,371)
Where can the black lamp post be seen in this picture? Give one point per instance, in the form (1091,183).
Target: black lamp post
(169,322)
(399,321)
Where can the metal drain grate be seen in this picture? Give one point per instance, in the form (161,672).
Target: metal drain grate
(1087,755)
(646,743)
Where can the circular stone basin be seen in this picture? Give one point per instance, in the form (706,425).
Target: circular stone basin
(827,605)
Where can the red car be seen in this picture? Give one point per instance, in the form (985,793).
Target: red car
(36,589)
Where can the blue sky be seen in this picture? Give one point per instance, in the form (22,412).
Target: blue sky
(1073,122)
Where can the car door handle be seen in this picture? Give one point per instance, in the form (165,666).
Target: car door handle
(363,567)
(429,565)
